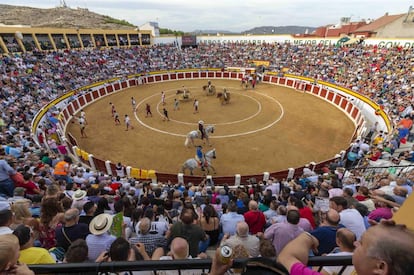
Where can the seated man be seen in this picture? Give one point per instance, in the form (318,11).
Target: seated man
(151,241)
(71,230)
(180,250)
(242,237)
(122,250)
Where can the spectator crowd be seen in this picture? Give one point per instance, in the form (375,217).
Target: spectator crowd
(60,211)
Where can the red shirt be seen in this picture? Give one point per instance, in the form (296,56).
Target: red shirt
(306,213)
(115,186)
(256,221)
(360,197)
(29,186)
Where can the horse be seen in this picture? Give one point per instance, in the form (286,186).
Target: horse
(224,99)
(185,94)
(210,90)
(246,83)
(197,134)
(192,163)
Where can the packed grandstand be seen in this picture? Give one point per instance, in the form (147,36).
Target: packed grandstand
(66,212)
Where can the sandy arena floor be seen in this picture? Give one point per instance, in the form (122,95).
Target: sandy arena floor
(269,128)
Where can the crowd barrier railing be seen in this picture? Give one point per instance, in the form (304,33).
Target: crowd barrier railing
(340,97)
(317,262)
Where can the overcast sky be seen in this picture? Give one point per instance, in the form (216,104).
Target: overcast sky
(231,15)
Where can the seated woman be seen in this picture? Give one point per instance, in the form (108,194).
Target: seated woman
(28,253)
(210,223)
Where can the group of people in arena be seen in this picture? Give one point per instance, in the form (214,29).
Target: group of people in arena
(53,210)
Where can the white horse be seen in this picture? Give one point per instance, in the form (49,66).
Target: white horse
(197,134)
(192,163)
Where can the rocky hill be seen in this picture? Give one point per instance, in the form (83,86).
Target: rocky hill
(61,17)
(65,17)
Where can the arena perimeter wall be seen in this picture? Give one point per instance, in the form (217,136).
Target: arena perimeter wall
(360,109)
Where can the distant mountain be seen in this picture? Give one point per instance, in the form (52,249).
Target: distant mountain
(211,32)
(280,30)
(263,30)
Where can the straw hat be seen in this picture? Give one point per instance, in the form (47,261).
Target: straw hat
(78,195)
(100,224)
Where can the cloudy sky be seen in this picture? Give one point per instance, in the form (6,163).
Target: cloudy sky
(231,15)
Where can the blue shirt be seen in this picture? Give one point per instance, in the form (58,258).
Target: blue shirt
(199,153)
(229,222)
(326,236)
(97,244)
(5,170)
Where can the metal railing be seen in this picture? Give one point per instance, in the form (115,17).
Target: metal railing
(201,264)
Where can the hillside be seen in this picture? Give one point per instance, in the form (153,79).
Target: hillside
(60,17)
(65,17)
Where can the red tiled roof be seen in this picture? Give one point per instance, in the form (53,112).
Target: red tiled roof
(376,24)
(334,32)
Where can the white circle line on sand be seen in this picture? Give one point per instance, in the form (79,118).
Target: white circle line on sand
(230,122)
(215,137)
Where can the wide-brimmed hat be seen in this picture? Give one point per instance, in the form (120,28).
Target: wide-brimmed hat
(100,224)
(78,195)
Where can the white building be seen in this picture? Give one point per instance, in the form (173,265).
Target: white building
(151,26)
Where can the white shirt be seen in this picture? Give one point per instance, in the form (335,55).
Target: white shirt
(336,269)
(352,220)
(274,187)
(176,272)
(5,230)
(157,228)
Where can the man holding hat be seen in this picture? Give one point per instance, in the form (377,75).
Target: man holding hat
(79,199)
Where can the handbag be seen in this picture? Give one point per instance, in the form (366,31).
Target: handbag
(66,236)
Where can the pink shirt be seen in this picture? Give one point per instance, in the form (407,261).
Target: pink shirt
(380,213)
(281,234)
(301,269)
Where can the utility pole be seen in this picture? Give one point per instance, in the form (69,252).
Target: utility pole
(63,4)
